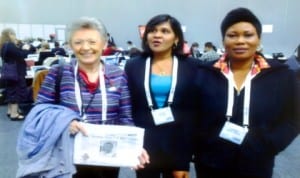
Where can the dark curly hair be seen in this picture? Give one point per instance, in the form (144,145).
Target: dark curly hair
(240,15)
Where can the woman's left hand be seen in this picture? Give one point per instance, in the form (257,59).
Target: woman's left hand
(180,174)
(144,159)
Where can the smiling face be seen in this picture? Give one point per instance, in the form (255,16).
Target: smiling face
(87,45)
(161,39)
(241,41)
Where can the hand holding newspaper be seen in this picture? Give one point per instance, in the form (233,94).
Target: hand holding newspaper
(109,145)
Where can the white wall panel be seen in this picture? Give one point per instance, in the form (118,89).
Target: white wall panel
(202,18)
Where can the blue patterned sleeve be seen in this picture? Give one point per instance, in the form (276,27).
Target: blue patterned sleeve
(47,93)
(125,103)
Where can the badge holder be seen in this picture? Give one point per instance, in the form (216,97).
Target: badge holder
(162,115)
(233,133)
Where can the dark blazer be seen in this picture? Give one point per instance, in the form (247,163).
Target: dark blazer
(16,91)
(272,120)
(11,53)
(169,144)
(59,51)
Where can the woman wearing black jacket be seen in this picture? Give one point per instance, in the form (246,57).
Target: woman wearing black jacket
(162,92)
(248,105)
(16,90)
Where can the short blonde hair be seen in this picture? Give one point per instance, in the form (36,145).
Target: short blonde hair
(88,23)
(45,45)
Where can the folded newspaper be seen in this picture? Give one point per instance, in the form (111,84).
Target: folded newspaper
(109,145)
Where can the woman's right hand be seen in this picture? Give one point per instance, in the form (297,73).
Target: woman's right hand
(75,127)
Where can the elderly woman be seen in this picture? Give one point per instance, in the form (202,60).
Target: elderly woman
(248,110)
(82,85)
(16,89)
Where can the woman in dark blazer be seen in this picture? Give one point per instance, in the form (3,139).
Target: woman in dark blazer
(154,77)
(16,89)
(248,105)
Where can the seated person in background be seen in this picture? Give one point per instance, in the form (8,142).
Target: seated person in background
(44,46)
(37,43)
(57,50)
(130,45)
(44,53)
(133,52)
(195,53)
(186,48)
(110,50)
(67,48)
(27,45)
(210,52)
(32,49)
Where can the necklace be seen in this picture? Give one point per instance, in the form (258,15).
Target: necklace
(161,70)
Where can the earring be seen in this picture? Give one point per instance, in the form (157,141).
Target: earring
(174,45)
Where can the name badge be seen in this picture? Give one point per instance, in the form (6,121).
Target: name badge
(162,115)
(233,133)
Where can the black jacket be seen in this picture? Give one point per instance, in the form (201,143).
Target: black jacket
(272,120)
(169,145)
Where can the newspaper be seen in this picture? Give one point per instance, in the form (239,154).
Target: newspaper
(109,145)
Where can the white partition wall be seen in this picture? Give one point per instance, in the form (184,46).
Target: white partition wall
(201,18)
(25,31)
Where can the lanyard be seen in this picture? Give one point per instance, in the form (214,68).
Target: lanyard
(173,84)
(103,93)
(230,101)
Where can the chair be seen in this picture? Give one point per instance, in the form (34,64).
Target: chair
(49,61)
(37,82)
(43,56)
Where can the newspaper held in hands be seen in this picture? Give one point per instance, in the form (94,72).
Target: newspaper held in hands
(109,145)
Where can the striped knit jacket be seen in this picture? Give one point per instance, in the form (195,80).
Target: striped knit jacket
(118,101)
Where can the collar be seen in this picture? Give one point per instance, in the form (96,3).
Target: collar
(91,86)
(259,64)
